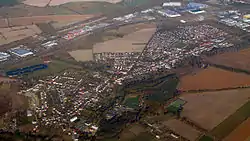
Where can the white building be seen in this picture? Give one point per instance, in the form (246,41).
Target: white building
(171,4)
(4,56)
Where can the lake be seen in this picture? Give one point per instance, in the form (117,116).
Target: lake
(8,2)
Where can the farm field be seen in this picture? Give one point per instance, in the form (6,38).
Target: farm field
(218,105)
(182,129)
(232,122)
(9,99)
(239,60)
(241,133)
(23,21)
(43,3)
(82,55)
(213,78)
(8,35)
(127,43)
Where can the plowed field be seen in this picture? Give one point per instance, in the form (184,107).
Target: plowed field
(240,60)
(213,78)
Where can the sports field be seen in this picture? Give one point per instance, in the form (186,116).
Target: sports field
(209,109)
(213,78)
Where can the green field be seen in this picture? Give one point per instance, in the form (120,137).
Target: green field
(132,102)
(228,125)
(205,138)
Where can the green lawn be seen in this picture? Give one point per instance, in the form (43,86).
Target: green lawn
(228,125)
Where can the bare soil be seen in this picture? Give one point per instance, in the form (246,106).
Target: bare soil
(182,129)
(213,78)
(208,109)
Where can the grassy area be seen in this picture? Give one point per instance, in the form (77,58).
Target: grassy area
(132,102)
(205,138)
(228,125)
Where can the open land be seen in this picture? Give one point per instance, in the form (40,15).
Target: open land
(232,122)
(183,129)
(213,78)
(214,104)
(241,133)
(43,3)
(134,42)
(8,35)
(239,60)
(9,99)
(22,21)
(82,55)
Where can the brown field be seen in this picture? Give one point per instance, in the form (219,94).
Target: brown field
(241,133)
(182,129)
(9,35)
(126,43)
(43,3)
(9,100)
(208,109)
(23,21)
(213,78)
(240,60)
(82,55)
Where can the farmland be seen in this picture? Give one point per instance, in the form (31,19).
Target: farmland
(230,123)
(126,44)
(82,55)
(213,78)
(238,60)
(241,133)
(43,3)
(8,35)
(208,109)
(183,129)
(22,21)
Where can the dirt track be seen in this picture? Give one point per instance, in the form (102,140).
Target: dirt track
(241,133)
(208,109)
(213,78)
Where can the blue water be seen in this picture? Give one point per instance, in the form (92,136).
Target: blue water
(8,2)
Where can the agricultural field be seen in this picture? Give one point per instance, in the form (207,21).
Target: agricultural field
(238,60)
(43,3)
(22,21)
(82,55)
(232,122)
(9,99)
(182,129)
(126,43)
(209,109)
(213,78)
(241,133)
(8,35)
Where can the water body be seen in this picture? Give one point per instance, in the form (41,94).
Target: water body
(8,2)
